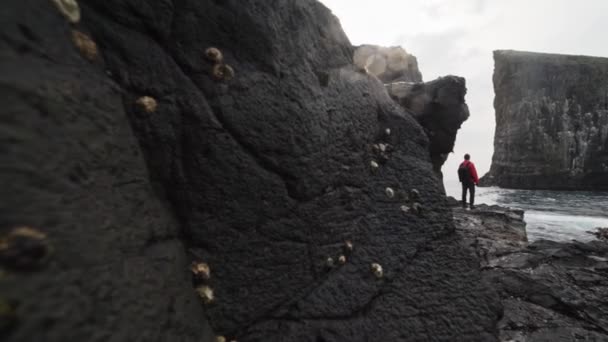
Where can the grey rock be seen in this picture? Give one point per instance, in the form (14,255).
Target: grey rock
(551,122)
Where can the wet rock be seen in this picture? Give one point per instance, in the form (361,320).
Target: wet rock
(490,231)
(551,119)
(551,291)
(600,233)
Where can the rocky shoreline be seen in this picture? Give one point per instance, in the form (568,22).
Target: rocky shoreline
(550,291)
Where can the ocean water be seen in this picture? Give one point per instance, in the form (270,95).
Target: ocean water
(552,215)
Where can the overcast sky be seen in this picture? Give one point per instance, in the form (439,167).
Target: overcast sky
(458,36)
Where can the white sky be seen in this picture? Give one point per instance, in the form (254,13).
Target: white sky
(458,36)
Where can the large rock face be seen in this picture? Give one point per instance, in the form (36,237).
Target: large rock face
(264,177)
(551,122)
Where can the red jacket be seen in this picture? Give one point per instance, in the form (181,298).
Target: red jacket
(472,170)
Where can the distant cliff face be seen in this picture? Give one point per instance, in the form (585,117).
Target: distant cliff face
(551,122)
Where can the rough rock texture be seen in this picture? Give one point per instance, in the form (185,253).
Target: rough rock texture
(263,177)
(551,292)
(490,231)
(389,64)
(551,122)
(440,107)
(72,169)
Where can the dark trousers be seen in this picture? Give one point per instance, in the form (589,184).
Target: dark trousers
(471,188)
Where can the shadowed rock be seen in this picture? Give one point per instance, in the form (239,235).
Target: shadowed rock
(551,122)
(440,107)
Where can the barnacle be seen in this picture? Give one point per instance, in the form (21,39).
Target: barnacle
(200,270)
(206,294)
(147,103)
(390,192)
(382,147)
(377,270)
(342,259)
(414,194)
(405,208)
(387,131)
(69,8)
(222,72)
(214,55)
(373,164)
(417,208)
(24,248)
(348,246)
(329,262)
(86,46)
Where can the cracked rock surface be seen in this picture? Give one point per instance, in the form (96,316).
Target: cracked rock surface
(263,177)
(551,291)
(551,122)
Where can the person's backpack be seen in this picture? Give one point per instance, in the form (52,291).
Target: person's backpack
(463,173)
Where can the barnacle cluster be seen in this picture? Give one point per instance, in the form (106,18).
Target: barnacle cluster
(220,70)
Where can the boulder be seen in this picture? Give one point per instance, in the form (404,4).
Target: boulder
(389,64)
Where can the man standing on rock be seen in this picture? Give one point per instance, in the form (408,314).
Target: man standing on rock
(468,177)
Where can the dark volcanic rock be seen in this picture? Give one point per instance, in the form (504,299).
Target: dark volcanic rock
(490,231)
(73,171)
(553,292)
(600,233)
(440,107)
(389,64)
(551,122)
(262,177)
(550,291)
